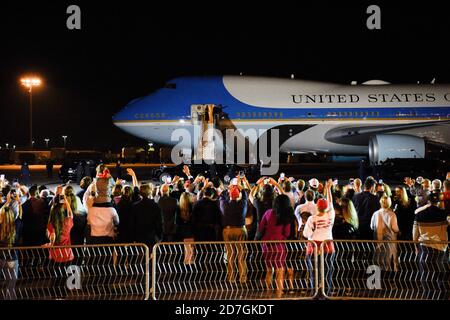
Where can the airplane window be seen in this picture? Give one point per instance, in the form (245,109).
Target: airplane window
(366,113)
(238,114)
(254,114)
(146,115)
(264,114)
(249,115)
(259,114)
(281,115)
(157,115)
(275,114)
(170,86)
(163,115)
(270,114)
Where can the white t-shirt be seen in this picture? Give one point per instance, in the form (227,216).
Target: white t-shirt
(319,228)
(384,222)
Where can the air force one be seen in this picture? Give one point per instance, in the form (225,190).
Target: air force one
(374,118)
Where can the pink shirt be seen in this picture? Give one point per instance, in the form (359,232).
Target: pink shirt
(269,229)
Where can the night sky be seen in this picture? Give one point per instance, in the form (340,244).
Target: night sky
(125,50)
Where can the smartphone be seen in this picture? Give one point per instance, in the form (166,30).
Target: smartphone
(2,177)
(266,181)
(335,182)
(282,176)
(234,182)
(380,181)
(169,180)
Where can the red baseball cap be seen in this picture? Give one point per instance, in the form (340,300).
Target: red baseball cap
(234,193)
(322,205)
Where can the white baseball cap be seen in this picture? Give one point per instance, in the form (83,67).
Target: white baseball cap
(314,183)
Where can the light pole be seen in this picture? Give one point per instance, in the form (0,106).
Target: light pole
(46,141)
(30,83)
(64,137)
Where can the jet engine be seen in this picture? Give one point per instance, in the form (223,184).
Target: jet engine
(383,146)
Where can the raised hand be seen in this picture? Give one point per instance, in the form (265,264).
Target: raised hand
(186,170)
(131,172)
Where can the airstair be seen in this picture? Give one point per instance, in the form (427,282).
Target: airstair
(204,122)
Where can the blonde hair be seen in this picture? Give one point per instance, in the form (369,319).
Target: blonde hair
(146,189)
(357,183)
(387,190)
(185,206)
(349,212)
(404,200)
(385,202)
(7,225)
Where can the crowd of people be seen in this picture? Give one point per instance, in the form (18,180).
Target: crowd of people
(190,208)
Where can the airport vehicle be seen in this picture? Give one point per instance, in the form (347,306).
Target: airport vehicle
(224,172)
(74,170)
(375,118)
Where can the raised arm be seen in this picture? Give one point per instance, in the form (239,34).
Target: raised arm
(133,177)
(276,185)
(329,196)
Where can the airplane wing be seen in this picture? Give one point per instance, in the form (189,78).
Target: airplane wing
(360,135)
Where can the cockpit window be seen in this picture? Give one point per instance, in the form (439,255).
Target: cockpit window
(170,85)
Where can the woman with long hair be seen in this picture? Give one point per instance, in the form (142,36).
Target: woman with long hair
(261,197)
(404,208)
(346,221)
(78,232)
(10,215)
(276,225)
(59,227)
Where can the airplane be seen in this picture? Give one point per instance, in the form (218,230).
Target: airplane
(374,118)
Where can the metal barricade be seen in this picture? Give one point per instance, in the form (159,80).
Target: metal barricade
(387,270)
(91,272)
(235,270)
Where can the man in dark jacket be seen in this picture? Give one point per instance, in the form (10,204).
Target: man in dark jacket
(169,208)
(366,203)
(146,219)
(35,216)
(205,218)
